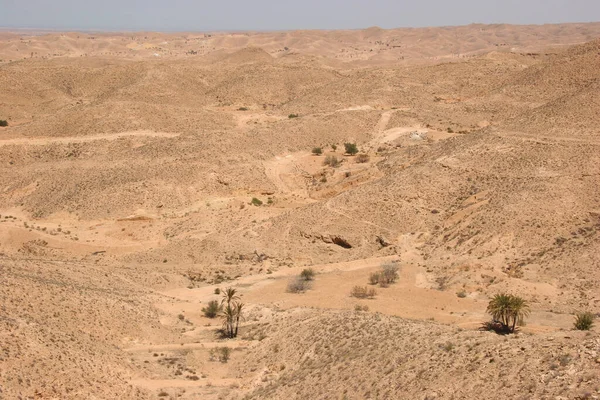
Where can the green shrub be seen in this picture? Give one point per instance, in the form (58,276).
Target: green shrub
(350,148)
(256,202)
(243,109)
(584,321)
(293,116)
(333,147)
(212,309)
(3,122)
(317,151)
(307,274)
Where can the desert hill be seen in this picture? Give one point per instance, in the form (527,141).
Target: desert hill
(142,173)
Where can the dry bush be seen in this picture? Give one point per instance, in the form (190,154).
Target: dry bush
(222,354)
(298,285)
(386,276)
(307,274)
(374,278)
(362,158)
(358,307)
(332,161)
(363,292)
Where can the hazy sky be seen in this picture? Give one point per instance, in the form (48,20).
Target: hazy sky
(178,15)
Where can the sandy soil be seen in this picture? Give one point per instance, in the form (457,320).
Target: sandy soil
(142,173)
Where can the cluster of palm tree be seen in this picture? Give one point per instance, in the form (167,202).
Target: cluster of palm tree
(231,312)
(508,310)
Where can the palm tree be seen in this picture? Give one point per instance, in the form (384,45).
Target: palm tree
(229,295)
(238,316)
(229,317)
(231,312)
(508,310)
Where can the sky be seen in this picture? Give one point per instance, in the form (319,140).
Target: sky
(266,15)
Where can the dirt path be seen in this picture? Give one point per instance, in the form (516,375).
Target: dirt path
(547,139)
(158,384)
(384,121)
(37,141)
(237,344)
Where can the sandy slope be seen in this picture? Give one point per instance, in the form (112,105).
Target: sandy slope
(126,188)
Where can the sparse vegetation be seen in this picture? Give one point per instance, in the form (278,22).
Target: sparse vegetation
(212,309)
(221,354)
(350,148)
(386,276)
(584,321)
(308,274)
(508,311)
(362,158)
(363,292)
(332,161)
(298,285)
(317,151)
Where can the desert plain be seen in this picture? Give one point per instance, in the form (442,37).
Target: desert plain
(142,174)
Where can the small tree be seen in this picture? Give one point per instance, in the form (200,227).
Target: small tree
(351,148)
(584,321)
(212,309)
(508,310)
(317,151)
